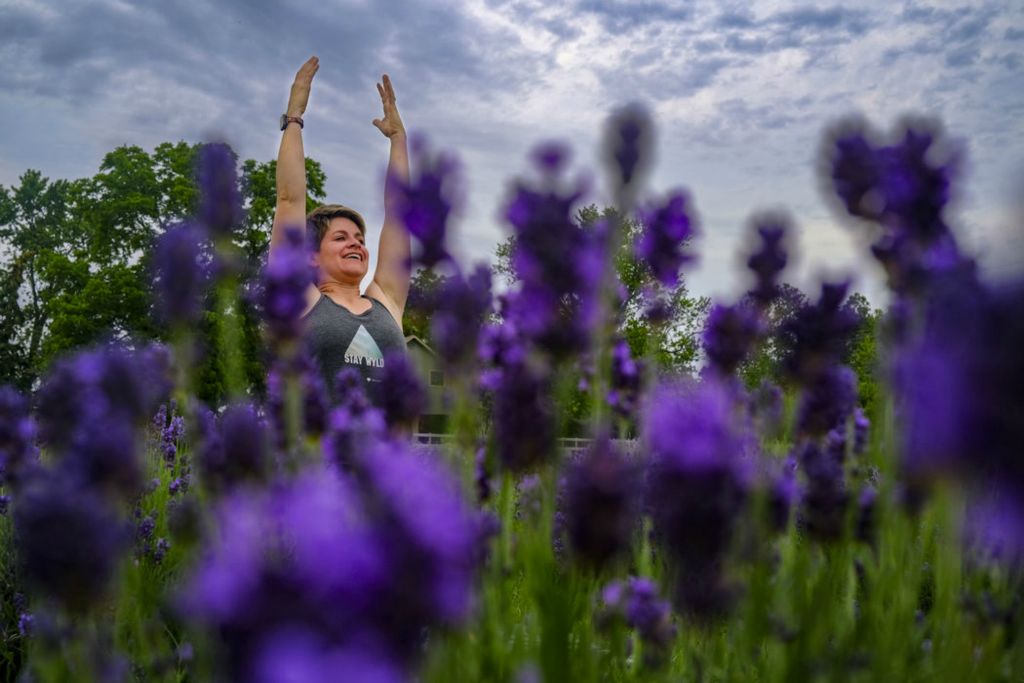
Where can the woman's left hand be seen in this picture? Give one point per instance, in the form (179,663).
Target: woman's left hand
(391,124)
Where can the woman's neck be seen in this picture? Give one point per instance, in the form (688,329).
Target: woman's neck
(345,294)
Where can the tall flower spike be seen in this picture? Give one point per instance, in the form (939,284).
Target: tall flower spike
(697,483)
(769,260)
(462,308)
(629,144)
(667,226)
(426,200)
(524,419)
(402,395)
(18,454)
(556,304)
(69,540)
(220,203)
(817,333)
(181,274)
(287,276)
(602,492)
(729,335)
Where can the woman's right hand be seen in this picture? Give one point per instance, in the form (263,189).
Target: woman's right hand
(300,88)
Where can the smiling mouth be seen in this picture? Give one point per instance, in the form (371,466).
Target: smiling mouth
(357,257)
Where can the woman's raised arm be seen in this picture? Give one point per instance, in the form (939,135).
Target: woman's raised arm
(291,161)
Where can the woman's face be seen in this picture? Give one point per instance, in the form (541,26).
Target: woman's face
(343,256)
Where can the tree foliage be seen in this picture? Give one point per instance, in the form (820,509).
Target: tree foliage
(75,257)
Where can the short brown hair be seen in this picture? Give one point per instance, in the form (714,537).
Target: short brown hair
(318,219)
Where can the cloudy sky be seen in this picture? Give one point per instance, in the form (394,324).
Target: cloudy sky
(741,92)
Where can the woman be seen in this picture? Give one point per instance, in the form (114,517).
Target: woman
(344,328)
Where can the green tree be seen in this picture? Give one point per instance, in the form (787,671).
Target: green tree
(75,257)
(422,302)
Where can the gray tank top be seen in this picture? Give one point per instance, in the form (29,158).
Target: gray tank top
(337,338)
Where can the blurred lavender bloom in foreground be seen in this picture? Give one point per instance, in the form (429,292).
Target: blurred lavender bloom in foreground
(182,274)
(697,484)
(818,333)
(559,266)
(69,540)
(826,497)
(285,280)
(18,452)
(768,262)
(624,394)
(730,334)
(234,447)
(220,203)
(402,394)
(524,417)
(425,201)
(961,388)
(667,227)
(637,601)
(601,502)
(462,307)
(629,142)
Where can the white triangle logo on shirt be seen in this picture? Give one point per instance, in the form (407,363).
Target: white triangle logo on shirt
(364,350)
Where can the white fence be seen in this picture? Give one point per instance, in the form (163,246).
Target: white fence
(571,445)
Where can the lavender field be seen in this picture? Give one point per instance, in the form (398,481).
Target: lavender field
(831,526)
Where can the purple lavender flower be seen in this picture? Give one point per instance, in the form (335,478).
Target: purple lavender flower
(169,438)
(994,525)
(402,395)
(729,335)
(827,401)
(104,455)
(314,389)
(424,201)
(524,419)
(626,379)
(906,185)
(551,157)
(182,272)
(783,495)
(557,302)
(5,502)
(353,425)
(826,497)
(220,204)
(106,382)
(866,524)
(69,540)
(285,280)
(432,538)
(17,437)
(26,623)
(697,483)
(179,485)
(628,143)
(233,449)
(163,546)
(299,556)
(462,308)
(637,602)
(960,386)
(291,655)
(601,504)
(769,260)
(668,226)
(817,334)
(861,425)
